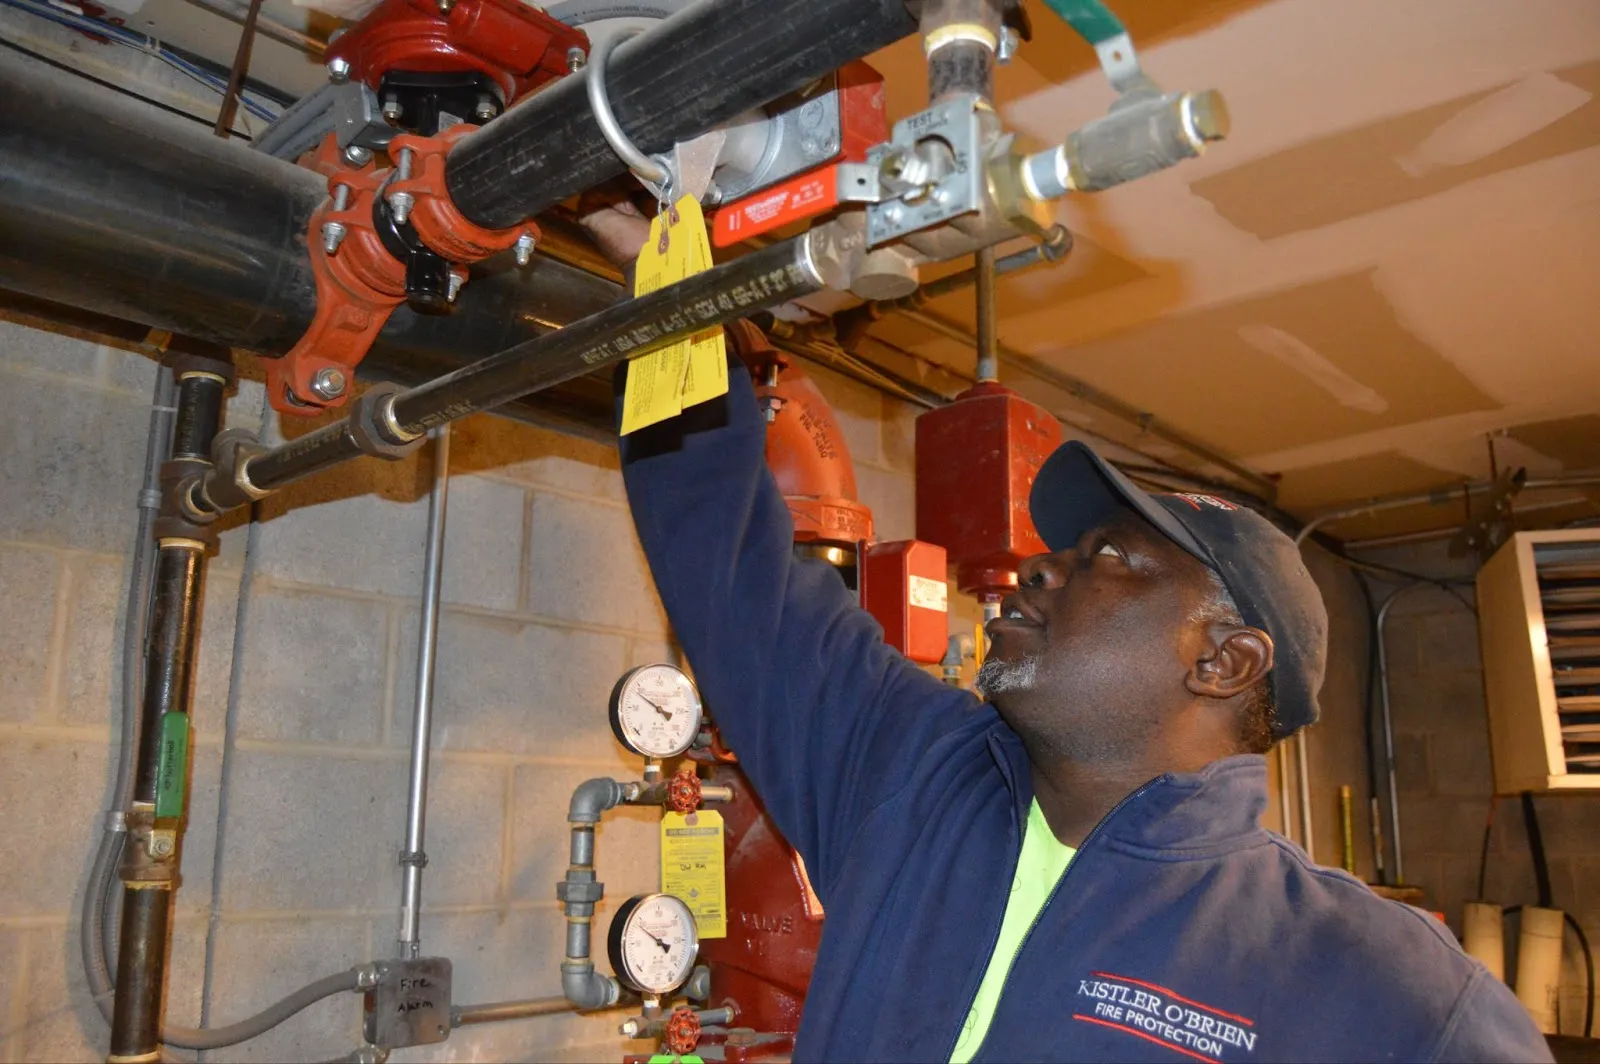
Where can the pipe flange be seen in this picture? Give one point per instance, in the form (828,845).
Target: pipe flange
(434,215)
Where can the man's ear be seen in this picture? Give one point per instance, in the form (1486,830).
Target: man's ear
(1234,660)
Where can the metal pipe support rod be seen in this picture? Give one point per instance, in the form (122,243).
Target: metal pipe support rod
(1388,730)
(988,368)
(414,857)
(1440,497)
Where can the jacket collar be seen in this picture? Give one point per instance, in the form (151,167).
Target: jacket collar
(1176,815)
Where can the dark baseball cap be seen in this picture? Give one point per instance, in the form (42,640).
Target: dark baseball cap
(1076,490)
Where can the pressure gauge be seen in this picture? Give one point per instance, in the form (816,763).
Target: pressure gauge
(653,943)
(655,711)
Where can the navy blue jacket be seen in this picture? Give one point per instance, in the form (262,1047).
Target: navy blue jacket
(1182,930)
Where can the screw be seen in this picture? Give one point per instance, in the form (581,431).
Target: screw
(356,155)
(576,58)
(400,206)
(524,248)
(329,383)
(402,164)
(808,146)
(486,109)
(455,287)
(391,107)
(338,71)
(341,197)
(160,846)
(332,236)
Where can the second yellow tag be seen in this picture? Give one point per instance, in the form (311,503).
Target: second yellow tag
(692,868)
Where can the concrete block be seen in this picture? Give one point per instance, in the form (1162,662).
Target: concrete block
(898,435)
(535,456)
(256,962)
(1448,640)
(483,544)
(62,784)
(626,844)
(53,352)
(12,992)
(60,1021)
(1461,760)
(247,405)
(32,582)
(467,809)
(360,526)
(1412,766)
(517,686)
(67,486)
(91,679)
(893,499)
(213,679)
(586,565)
(498,956)
(130,371)
(312,832)
(859,411)
(205,811)
(313,668)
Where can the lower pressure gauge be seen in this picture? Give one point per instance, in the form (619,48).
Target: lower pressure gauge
(655,711)
(653,943)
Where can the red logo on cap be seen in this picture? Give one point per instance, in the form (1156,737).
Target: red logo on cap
(1198,501)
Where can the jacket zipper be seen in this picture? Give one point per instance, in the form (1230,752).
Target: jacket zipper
(1049,901)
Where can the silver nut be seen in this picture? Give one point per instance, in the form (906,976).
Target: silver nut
(445,6)
(332,236)
(455,287)
(1010,41)
(391,108)
(356,155)
(524,249)
(338,71)
(400,206)
(629,1029)
(329,383)
(368,976)
(576,58)
(161,845)
(485,109)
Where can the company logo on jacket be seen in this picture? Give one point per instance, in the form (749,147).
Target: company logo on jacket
(1147,1010)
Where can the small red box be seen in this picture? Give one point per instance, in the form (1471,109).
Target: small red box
(976,460)
(903,587)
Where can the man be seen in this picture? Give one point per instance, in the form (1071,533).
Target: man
(1072,869)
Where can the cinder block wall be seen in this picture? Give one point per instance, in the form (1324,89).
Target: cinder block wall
(1443,774)
(304,701)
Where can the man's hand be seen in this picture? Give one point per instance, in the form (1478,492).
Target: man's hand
(616,225)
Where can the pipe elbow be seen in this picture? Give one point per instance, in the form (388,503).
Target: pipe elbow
(588,990)
(592,798)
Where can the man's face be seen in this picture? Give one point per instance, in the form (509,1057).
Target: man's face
(1092,650)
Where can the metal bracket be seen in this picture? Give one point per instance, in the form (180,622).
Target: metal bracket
(933,163)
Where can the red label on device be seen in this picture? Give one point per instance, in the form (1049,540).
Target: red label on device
(798,198)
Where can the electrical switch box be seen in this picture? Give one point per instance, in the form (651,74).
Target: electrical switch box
(903,587)
(1539,626)
(410,1005)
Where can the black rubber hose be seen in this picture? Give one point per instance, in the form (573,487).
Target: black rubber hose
(1588,971)
(1541,866)
(707,64)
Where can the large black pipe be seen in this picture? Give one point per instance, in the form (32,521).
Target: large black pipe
(112,207)
(711,62)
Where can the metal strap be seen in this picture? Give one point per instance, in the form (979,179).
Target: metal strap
(646,168)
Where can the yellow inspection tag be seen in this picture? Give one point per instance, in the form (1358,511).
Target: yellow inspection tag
(692,868)
(681,373)
(705,374)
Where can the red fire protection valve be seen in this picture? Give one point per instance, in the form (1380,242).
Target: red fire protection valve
(683,790)
(976,460)
(683,1031)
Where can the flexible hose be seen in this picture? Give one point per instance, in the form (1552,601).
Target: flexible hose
(266,1019)
(94,932)
(299,128)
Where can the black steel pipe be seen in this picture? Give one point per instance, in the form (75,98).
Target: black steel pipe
(111,207)
(706,65)
(765,278)
(136,1014)
(169,659)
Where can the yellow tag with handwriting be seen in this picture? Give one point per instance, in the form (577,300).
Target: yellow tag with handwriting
(692,868)
(705,372)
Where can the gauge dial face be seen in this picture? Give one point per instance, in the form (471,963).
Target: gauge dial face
(653,943)
(655,711)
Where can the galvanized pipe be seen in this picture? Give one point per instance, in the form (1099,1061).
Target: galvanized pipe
(414,857)
(1440,497)
(1388,731)
(500,1011)
(988,369)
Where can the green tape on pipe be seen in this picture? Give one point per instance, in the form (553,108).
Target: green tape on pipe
(172,771)
(1092,19)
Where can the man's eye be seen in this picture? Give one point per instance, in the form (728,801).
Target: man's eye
(1107,548)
